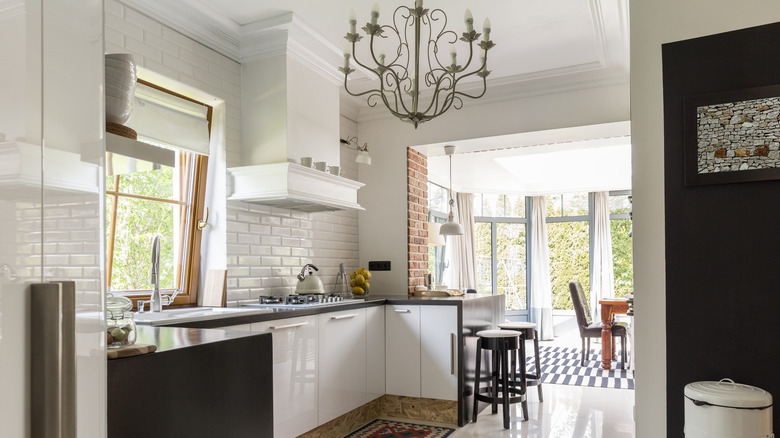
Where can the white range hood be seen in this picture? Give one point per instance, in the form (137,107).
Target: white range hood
(290,110)
(290,185)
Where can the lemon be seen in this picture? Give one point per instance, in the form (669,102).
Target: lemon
(359,280)
(358,290)
(367,274)
(367,286)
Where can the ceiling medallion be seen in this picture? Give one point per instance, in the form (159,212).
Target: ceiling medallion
(399,83)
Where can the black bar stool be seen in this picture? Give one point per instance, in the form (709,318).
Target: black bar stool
(503,378)
(529,330)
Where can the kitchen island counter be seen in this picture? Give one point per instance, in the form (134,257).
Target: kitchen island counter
(199,382)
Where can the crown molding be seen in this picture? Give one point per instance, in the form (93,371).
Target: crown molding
(217,33)
(262,39)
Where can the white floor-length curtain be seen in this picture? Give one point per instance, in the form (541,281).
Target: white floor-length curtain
(541,288)
(602,282)
(467,267)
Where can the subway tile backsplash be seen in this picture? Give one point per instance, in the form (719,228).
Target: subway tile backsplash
(268,246)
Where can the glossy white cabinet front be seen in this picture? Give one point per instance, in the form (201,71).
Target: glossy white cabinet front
(438,360)
(402,348)
(342,363)
(375,351)
(51,208)
(295,373)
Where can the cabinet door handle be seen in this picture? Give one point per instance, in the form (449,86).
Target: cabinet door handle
(453,343)
(351,315)
(280,327)
(403,311)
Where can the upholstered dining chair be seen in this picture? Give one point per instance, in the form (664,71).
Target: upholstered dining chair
(590,329)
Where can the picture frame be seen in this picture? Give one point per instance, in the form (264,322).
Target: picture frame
(732,136)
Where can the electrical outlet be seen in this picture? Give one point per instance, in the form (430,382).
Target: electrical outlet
(379,266)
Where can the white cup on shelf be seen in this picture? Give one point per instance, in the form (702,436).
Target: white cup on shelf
(321,166)
(334,170)
(306,161)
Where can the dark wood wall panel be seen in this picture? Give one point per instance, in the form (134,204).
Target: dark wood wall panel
(722,241)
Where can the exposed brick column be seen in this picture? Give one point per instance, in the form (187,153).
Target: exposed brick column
(417,214)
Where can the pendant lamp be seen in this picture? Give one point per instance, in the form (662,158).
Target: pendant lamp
(451,228)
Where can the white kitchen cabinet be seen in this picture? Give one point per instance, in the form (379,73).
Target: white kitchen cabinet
(295,373)
(402,349)
(422,354)
(342,367)
(375,352)
(439,352)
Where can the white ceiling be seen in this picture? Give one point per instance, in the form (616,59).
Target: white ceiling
(541,46)
(587,158)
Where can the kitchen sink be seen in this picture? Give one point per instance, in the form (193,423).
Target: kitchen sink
(189,314)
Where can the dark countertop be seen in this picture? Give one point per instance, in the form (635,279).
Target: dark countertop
(182,335)
(369,301)
(174,338)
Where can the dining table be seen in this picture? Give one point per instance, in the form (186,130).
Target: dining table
(609,308)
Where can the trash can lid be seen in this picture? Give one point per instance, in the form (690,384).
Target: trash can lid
(726,393)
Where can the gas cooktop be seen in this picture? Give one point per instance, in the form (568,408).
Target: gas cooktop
(302,301)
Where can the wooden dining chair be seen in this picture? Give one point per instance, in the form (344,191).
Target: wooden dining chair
(590,329)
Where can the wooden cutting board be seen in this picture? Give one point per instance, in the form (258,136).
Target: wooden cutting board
(130,350)
(214,291)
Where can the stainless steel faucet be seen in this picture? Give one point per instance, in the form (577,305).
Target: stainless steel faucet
(155,304)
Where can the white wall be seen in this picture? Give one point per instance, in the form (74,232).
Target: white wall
(171,55)
(383,224)
(263,248)
(652,24)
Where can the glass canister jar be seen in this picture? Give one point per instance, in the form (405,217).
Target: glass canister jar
(120,325)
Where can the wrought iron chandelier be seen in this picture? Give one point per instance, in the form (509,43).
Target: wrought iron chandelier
(401,78)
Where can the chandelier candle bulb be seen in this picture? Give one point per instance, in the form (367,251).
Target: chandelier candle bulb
(469,21)
(352,21)
(382,56)
(375,13)
(418,4)
(347,51)
(486,29)
(453,54)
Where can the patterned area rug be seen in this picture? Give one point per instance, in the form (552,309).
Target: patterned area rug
(396,429)
(561,365)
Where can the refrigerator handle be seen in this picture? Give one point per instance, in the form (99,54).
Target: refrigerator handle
(53,364)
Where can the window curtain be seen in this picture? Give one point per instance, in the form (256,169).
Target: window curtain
(465,246)
(541,287)
(602,284)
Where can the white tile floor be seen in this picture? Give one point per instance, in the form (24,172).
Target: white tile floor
(567,411)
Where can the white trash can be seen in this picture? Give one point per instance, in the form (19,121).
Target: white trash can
(727,410)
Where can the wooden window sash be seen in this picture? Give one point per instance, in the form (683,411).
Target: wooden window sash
(189,291)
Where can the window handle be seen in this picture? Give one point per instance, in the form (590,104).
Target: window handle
(205,221)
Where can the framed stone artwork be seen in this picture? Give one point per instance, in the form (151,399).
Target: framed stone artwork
(732,136)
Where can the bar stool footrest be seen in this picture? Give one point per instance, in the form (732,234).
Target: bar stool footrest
(521,397)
